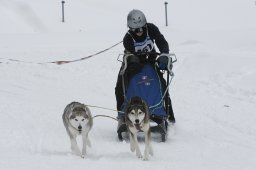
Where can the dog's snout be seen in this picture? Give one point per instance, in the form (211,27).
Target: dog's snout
(79,127)
(137,121)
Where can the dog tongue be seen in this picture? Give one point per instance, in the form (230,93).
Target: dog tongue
(137,126)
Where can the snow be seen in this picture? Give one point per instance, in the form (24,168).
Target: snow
(213,91)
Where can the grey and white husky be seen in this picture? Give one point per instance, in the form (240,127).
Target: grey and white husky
(137,120)
(78,120)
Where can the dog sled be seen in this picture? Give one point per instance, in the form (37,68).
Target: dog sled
(146,84)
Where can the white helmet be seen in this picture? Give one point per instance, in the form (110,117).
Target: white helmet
(136,19)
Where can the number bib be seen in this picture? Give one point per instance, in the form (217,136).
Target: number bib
(145,46)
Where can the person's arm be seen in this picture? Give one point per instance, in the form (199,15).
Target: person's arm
(128,44)
(160,41)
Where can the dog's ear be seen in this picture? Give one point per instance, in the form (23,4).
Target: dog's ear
(72,116)
(85,115)
(136,100)
(128,107)
(145,103)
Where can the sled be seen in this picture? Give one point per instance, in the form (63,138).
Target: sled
(146,84)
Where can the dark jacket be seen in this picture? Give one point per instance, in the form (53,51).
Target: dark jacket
(153,33)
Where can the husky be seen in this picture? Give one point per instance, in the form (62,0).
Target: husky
(78,120)
(137,120)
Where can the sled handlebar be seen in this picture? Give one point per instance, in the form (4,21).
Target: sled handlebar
(171,59)
(171,56)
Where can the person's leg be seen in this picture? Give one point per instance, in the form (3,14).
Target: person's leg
(119,93)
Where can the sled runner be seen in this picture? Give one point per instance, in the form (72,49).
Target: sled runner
(146,84)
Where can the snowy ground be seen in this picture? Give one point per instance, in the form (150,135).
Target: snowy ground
(213,92)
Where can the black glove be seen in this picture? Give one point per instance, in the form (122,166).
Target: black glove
(163,61)
(133,64)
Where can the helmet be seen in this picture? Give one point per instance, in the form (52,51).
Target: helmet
(136,19)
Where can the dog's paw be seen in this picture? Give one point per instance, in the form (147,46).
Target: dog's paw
(145,158)
(82,156)
(138,154)
(83,152)
(147,153)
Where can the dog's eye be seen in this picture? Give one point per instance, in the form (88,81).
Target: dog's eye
(82,119)
(140,113)
(132,113)
(76,120)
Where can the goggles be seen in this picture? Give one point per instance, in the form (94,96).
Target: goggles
(137,30)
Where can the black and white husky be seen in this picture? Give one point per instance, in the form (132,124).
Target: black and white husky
(77,120)
(137,120)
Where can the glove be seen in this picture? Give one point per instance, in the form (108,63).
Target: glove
(133,64)
(162,61)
